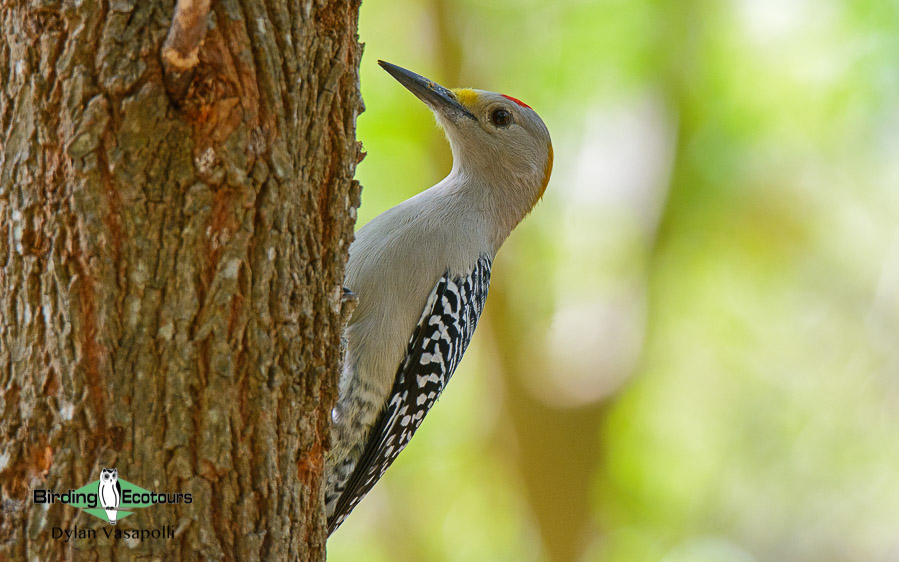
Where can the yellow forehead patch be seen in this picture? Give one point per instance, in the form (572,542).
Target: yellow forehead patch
(466,96)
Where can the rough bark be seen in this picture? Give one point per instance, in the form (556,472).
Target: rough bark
(172,246)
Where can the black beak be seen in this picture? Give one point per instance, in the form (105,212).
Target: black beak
(433,94)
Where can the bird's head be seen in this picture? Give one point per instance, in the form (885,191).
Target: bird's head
(494,137)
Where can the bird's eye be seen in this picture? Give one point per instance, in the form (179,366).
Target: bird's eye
(501,117)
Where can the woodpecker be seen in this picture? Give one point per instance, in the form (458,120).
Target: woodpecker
(420,273)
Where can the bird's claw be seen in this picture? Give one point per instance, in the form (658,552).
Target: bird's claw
(348,302)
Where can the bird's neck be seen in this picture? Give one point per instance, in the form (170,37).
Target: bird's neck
(502,201)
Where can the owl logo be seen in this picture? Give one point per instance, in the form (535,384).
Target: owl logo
(110,492)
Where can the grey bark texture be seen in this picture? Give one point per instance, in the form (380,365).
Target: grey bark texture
(173,232)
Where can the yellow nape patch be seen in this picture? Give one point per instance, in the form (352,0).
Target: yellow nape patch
(466,96)
(546,173)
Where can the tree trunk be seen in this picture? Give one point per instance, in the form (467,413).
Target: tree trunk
(176,205)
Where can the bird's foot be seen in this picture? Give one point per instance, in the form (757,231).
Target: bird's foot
(348,302)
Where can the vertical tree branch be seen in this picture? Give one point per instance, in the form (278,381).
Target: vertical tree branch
(170,268)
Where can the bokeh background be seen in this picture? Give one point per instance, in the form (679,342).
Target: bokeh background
(690,350)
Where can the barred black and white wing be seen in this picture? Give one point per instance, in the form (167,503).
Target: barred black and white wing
(435,349)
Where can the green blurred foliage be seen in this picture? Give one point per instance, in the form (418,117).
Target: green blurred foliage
(691,347)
